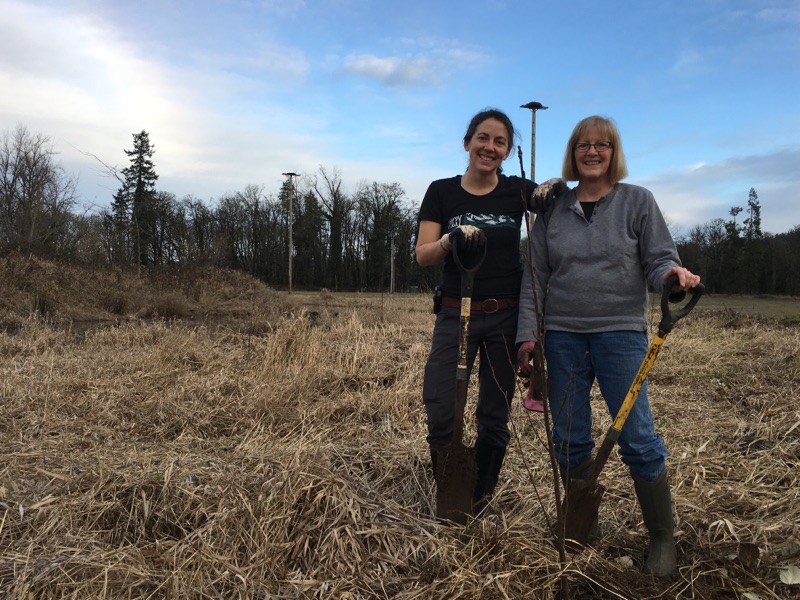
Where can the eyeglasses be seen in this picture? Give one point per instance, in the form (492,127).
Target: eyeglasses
(599,146)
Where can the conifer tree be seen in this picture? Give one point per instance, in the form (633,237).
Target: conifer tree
(134,203)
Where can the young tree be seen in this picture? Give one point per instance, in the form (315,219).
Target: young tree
(134,204)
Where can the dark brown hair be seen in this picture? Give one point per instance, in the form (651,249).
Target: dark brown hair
(491,113)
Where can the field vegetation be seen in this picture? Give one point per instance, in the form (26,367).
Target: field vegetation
(195,434)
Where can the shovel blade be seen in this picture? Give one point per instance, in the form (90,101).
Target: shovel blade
(455,483)
(580,510)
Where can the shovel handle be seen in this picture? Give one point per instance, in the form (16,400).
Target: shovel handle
(467,278)
(468,272)
(668,320)
(670,317)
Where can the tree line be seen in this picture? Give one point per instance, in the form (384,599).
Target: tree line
(341,241)
(737,257)
(362,240)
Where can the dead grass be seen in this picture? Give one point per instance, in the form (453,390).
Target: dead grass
(281,454)
(66,293)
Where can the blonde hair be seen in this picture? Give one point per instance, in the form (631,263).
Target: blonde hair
(617,170)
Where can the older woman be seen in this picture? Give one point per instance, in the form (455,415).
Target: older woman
(596,253)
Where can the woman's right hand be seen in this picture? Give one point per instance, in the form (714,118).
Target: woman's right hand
(686,279)
(524,358)
(466,235)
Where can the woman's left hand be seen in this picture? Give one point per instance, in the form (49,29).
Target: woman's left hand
(686,279)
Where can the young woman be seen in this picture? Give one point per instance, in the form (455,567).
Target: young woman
(487,205)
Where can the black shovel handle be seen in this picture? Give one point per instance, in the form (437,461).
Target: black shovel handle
(670,317)
(468,271)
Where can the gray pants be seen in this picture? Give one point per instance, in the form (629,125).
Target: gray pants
(492,336)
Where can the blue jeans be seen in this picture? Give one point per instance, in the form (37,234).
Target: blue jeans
(574,361)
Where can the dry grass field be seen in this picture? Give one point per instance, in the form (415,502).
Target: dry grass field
(200,436)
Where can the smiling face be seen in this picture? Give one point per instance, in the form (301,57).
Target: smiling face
(488,147)
(593,166)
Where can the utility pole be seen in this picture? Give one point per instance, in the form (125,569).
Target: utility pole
(534,106)
(391,258)
(292,192)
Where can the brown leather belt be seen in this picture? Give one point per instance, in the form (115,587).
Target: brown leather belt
(488,306)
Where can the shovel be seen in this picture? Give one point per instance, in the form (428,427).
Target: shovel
(583,496)
(456,471)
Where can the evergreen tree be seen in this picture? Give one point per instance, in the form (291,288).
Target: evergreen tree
(134,205)
(756,271)
(752,224)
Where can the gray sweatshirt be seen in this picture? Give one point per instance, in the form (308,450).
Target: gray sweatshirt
(594,276)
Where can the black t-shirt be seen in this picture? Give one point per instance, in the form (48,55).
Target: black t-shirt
(499,214)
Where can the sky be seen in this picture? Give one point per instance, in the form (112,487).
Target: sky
(706,93)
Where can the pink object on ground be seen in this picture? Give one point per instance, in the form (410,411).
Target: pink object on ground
(532,403)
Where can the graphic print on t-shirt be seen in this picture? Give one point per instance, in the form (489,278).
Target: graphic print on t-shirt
(482,221)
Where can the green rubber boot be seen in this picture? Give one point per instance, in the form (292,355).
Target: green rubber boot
(656,503)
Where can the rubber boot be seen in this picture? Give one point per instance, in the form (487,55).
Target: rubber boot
(581,472)
(656,503)
(489,461)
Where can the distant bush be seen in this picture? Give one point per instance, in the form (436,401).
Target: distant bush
(44,305)
(114,301)
(171,305)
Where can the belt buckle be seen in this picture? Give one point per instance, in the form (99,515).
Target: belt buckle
(490,306)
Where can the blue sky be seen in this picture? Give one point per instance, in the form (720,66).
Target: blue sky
(234,92)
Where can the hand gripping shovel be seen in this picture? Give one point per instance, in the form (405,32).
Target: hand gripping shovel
(456,470)
(584,495)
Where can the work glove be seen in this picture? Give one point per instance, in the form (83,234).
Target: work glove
(545,192)
(466,236)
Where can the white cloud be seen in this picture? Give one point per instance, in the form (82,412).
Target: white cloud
(698,193)
(280,8)
(688,62)
(432,67)
(394,71)
(77,76)
(781,16)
